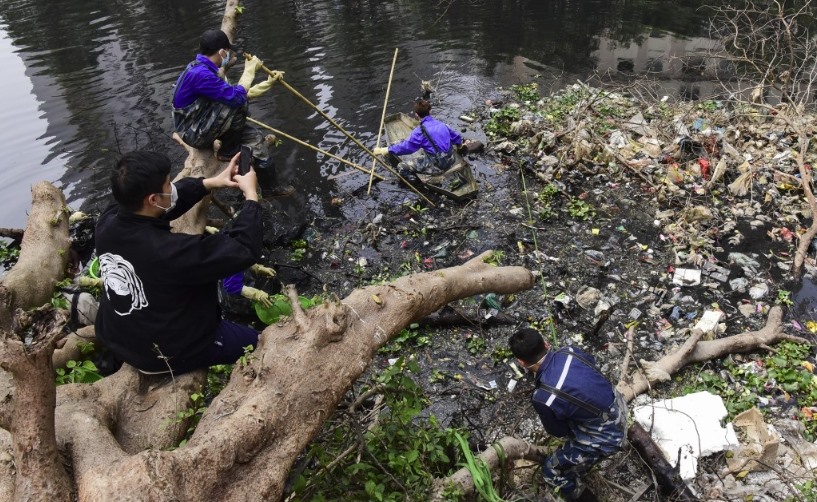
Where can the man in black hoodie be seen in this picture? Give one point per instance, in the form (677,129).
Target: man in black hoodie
(159,308)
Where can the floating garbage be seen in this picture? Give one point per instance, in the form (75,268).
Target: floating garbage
(686,277)
(746,262)
(516,370)
(759,451)
(758,291)
(709,321)
(587,297)
(739,284)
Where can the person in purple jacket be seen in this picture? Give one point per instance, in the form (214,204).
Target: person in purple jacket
(437,140)
(575,401)
(207,108)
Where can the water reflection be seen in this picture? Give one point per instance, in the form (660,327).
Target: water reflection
(804,297)
(100,73)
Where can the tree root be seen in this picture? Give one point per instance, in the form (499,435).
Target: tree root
(512,449)
(694,351)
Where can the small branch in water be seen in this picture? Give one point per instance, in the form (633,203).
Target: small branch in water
(15,234)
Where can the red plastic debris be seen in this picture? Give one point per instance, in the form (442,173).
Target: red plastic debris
(704,168)
(786,234)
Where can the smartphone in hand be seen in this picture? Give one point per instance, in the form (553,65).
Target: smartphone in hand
(245,161)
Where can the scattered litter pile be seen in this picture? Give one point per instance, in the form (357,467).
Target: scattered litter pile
(660,218)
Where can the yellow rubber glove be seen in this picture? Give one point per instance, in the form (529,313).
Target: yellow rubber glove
(256,295)
(77,216)
(381,150)
(88,282)
(250,67)
(210,230)
(261,88)
(259,269)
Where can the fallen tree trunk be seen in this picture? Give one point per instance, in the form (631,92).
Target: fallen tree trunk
(43,255)
(117,432)
(273,406)
(511,449)
(450,316)
(694,351)
(15,234)
(671,484)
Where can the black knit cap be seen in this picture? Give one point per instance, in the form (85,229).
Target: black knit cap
(213,41)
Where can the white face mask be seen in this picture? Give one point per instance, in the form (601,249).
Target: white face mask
(174,196)
(225,60)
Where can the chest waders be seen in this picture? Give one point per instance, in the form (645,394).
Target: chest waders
(441,160)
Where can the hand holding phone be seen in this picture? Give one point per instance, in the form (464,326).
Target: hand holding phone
(245,162)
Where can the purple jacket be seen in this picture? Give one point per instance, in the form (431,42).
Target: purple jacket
(442,135)
(202,80)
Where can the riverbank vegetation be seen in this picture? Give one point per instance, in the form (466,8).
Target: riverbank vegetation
(639,216)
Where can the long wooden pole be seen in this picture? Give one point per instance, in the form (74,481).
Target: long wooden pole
(304,143)
(277,76)
(382,118)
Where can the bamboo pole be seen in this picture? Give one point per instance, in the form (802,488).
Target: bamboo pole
(304,143)
(279,78)
(382,118)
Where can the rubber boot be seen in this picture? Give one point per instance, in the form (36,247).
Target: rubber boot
(268,180)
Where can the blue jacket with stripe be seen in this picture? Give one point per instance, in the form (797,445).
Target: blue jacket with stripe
(565,371)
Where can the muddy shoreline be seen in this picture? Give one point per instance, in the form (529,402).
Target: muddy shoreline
(607,240)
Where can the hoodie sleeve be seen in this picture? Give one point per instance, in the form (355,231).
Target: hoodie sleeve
(206,258)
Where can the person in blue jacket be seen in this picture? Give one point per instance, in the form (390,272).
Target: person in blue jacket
(206,107)
(576,402)
(437,140)
(159,308)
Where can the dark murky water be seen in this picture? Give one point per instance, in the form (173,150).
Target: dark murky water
(87,80)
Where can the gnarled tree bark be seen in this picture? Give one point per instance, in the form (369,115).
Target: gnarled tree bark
(116,432)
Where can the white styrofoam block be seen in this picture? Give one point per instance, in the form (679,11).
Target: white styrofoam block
(686,277)
(709,321)
(691,423)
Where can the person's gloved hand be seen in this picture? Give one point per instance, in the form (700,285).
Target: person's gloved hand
(88,282)
(250,67)
(211,230)
(261,88)
(256,295)
(277,75)
(77,216)
(381,150)
(253,64)
(259,269)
